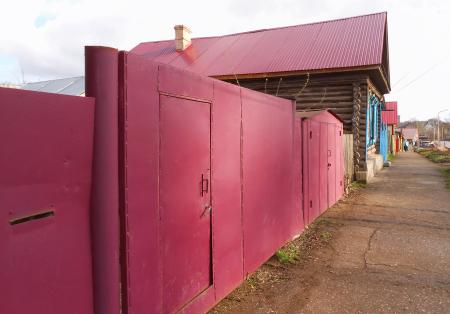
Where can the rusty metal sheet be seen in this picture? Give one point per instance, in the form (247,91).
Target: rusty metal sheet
(45,181)
(267,162)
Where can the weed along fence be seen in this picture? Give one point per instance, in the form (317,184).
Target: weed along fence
(195,184)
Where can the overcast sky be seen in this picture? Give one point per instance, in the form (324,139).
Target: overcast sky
(44,39)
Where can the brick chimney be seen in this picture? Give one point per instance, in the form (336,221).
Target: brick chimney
(182,37)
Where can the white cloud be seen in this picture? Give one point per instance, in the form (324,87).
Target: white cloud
(419,32)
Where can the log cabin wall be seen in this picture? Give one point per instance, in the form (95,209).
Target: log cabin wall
(344,93)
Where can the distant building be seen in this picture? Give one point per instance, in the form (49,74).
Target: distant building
(389,116)
(410,134)
(67,86)
(445,129)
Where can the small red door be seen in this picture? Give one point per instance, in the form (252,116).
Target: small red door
(331,164)
(185,200)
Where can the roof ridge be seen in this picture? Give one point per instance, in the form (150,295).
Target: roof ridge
(280,27)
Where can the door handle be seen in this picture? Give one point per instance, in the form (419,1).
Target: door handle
(202,184)
(329,165)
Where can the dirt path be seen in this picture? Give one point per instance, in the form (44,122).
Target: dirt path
(386,249)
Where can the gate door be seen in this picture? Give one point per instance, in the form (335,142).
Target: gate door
(331,164)
(185,201)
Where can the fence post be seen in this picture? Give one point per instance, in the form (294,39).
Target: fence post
(102,83)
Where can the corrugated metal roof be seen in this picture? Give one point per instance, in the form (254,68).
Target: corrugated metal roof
(344,43)
(67,86)
(390,114)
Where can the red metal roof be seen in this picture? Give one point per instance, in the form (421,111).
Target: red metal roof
(344,43)
(390,114)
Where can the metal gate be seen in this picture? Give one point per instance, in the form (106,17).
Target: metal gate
(45,166)
(185,199)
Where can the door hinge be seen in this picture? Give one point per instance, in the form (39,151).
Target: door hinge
(310,203)
(310,134)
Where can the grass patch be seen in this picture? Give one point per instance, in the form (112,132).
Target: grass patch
(436,155)
(358,185)
(446,173)
(288,253)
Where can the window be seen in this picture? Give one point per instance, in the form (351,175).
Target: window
(372,119)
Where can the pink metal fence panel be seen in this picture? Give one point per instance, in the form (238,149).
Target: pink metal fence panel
(311,162)
(45,166)
(331,164)
(102,83)
(226,182)
(141,263)
(268,216)
(322,163)
(322,171)
(166,217)
(298,171)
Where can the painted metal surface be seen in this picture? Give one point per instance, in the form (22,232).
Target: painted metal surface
(390,114)
(185,200)
(45,181)
(332,178)
(102,83)
(343,43)
(298,171)
(267,162)
(248,193)
(324,156)
(323,162)
(227,182)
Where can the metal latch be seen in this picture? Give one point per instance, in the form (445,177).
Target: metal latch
(208,209)
(204,187)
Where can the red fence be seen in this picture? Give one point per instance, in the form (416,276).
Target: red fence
(45,166)
(195,184)
(208,167)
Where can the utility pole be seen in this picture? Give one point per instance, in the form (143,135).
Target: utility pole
(438,131)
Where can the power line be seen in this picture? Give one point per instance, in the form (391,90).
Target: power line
(423,73)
